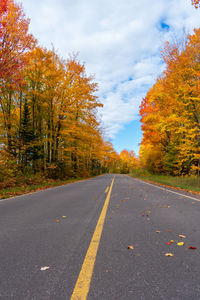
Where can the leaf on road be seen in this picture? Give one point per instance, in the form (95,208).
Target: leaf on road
(158,231)
(168,243)
(169,230)
(180,243)
(58,221)
(64,217)
(168,206)
(182,236)
(44,268)
(131,247)
(169,254)
(148,211)
(172,241)
(192,248)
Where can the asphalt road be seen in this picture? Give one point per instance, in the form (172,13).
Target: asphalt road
(31,238)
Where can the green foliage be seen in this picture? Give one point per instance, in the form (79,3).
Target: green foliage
(191,183)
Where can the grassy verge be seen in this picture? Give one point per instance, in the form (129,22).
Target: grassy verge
(28,188)
(189,183)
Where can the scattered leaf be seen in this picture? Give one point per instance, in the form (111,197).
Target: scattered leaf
(158,231)
(148,211)
(180,243)
(106,270)
(58,221)
(192,248)
(64,217)
(169,254)
(172,241)
(182,236)
(168,243)
(130,247)
(169,230)
(44,268)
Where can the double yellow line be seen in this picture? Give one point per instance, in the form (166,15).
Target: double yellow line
(84,279)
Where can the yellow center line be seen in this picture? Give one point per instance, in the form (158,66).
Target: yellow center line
(84,279)
(106,190)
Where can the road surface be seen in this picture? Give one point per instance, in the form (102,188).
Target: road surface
(80,234)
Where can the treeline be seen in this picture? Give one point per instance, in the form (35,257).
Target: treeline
(170,113)
(48,108)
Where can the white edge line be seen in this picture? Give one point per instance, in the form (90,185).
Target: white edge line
(161,188)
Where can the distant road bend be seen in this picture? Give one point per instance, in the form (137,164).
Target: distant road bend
(111,237)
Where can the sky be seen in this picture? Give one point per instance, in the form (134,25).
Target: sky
(120,42)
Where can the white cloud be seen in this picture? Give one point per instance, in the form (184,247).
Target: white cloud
(120,42)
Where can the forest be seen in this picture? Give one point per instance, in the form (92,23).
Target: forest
(170,113)
(49,124)
(48,110)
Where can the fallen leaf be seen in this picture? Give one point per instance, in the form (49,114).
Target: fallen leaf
(106,270)
(182,236)
(168,243)
(180,243)
(130,247)
(57,221)
(44,268)
(64,217)
(192,248)
(148,211)
(172,241)
(169,230)
(169,254)
(158,231)
(142,215)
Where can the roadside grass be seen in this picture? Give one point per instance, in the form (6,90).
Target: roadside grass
(28,188)
(189,183)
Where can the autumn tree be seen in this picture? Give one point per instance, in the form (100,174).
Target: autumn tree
(15,41)
(48,107)
(196,3)
(171,113)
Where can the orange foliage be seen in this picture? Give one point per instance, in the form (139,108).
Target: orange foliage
(196,3)
(170,113)
(48,107)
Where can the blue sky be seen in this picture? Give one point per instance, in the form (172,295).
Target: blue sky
(120,42)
